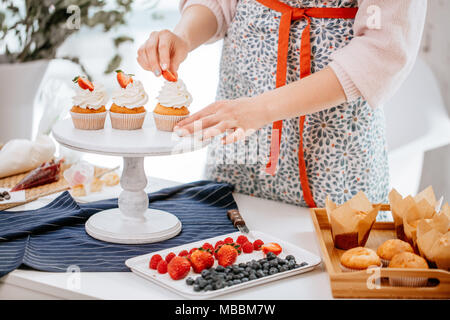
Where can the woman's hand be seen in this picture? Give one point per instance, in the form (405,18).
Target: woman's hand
(240,117)
(163,50)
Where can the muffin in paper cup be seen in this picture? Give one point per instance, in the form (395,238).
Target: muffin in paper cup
(167,122)
(127,121)
(408,282)
(88,121)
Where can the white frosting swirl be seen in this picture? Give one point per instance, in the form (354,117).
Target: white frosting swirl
(175,95)
(133,96)
(93,99)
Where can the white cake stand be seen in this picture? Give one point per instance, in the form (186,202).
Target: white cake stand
(133,222)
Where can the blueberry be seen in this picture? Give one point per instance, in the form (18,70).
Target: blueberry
(197,280)
(252,277)
(246,273)
(248,269)
(262,261)
(236,276)
(237,281)
(291,264)
(256,266)
(259,273)
(220,268)
(245,279)
(197,288)
(273,271)
(242,265)
(290,257)
(303,264)
(228,269)
(205,273)
(202,283)
(189,281)
(271,256)
(273,263)
(236,269)
(229,283)
(208,287)
(282,261)
(229,277)
(266,266)
(266,272)
(283,268)
(218,285)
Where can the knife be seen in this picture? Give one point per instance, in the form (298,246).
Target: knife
(237,220)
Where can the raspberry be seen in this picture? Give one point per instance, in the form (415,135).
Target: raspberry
(183,253)
(208,246)
(228,240)
(257,244)
(247,247)
(162,266)
(192,250)
(170,256)
(218,243)
(155,259)
(241,239)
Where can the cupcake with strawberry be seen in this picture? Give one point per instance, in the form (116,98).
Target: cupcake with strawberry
(173,103)
(88,111)
(128,109)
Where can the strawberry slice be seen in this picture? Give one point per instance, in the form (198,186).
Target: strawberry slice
(271,247)
(169,76)
(84,83)
(124,79)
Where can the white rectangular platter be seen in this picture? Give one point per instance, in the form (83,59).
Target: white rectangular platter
(139,265)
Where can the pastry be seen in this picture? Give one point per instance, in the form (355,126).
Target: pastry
(392,247)
(96,185)
(127,111)
(352,221)
(172,107)
(78,191)
(89,111)
(111,179)
(410,261)
(359,258)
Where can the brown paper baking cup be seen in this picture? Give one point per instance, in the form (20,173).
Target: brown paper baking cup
(88,121)
(167,123)
(408,282)
(127,121)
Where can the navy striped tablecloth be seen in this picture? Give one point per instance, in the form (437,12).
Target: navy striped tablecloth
(53,238)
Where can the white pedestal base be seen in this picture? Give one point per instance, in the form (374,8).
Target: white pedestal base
(112,226)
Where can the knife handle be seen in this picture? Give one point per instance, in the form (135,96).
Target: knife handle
(235,217)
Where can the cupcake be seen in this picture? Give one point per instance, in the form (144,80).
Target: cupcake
(392,247)
(358,259)
(88,111)
(172,107)
(127,111)
(408,260)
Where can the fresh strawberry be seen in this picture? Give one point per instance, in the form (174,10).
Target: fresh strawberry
(178,268)
(241,239)
(154,260)
(218,244)
(169,76)
(257,244)
(84,83)
(201,259)
(271,247)
(208,246)
(226,255)
(124,79)
(183,253)
(247,247)
(162,266)
(192,250)
(228,240)
(170,256)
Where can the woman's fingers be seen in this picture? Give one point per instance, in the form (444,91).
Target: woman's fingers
(164,47)
(198,115)
(151,52)
(219,128)
(237,135)
(199,125)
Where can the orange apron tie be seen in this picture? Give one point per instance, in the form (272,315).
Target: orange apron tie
(288,14)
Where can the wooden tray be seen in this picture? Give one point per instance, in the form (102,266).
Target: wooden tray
(41,191)
(374,283)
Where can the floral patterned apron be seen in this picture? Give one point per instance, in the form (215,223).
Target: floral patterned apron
(335,152)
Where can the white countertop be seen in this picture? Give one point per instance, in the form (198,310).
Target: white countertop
(287,222)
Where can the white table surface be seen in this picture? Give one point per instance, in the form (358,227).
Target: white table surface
(287,222)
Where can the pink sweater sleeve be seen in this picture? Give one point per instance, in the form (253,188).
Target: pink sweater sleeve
(224,10)
(382,52)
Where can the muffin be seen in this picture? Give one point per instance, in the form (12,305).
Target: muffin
(359,258)
(410,261)
(392,247)
(88,111)
(172,107)
(127,111)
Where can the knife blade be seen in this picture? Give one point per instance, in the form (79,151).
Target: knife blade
(235,216)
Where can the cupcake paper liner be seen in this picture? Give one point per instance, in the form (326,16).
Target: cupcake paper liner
(166,122)
(345,269)
(385,262)
(88,121)
(408,282)
(127,121)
